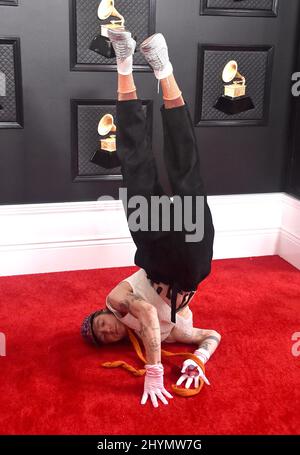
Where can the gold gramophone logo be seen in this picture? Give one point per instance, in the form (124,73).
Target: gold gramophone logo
(234,100)
(106,156)
(106,10)
(236,82)
(110,19)
(107,126)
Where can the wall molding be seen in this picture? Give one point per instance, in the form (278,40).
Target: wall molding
(43,238)
(289,242)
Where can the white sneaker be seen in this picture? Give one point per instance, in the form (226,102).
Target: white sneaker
(155,51)
(124,45)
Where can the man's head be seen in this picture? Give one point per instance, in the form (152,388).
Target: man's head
(102,327)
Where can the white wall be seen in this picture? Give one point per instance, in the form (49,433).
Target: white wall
(41,238)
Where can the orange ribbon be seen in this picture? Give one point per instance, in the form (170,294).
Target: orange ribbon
(183,392)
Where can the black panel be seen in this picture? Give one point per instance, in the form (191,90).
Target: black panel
(85,138)
(254,63)
(293,162)
(139,19)
(265,8)
(11,112)
(37,161)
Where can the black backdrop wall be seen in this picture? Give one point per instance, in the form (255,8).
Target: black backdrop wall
(293,173)
(41,162)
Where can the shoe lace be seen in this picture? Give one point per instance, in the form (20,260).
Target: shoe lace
(158,84)
(155,61)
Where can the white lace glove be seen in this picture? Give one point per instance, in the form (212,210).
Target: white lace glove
(154,385)
(192,372)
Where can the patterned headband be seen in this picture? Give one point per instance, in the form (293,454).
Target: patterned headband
(87,327)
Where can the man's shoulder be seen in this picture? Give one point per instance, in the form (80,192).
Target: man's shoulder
(125,285)
(139,276)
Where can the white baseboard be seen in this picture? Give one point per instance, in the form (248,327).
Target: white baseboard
(40,238)
(289,243)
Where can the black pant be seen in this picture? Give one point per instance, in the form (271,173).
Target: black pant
(165,255)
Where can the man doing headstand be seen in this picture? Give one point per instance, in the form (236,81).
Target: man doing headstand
(170,266)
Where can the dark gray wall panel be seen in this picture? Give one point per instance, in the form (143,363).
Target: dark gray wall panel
(85,138)
(254,63)
(11,112)
(240,8)
(7,67)
(88,139)
(9,2)
(293,165)
(85,24)
(36,162)
(246,4)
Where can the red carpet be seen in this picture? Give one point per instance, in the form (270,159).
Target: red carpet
(51,382)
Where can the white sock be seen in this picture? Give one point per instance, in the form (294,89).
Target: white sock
(124,67)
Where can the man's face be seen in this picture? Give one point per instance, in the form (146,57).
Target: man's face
(108,329)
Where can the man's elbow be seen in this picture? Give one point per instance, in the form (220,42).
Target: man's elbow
(148,311)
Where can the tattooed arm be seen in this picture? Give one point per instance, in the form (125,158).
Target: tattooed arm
(210,341)
(125,301)
(150,335)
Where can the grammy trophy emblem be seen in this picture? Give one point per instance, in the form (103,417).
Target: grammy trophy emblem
(105,127)
(107,13)
(234,100)
(106,155)
(107,9)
